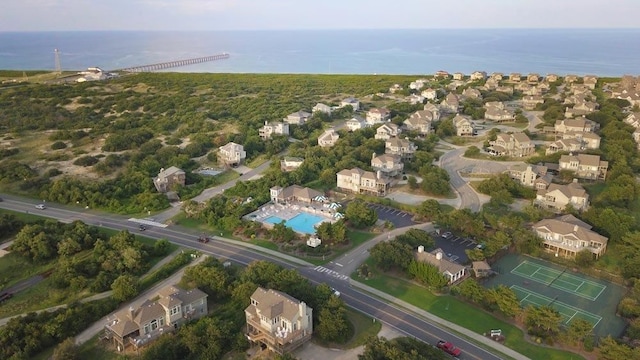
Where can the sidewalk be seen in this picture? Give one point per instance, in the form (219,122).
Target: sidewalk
(98,326)
(478,338)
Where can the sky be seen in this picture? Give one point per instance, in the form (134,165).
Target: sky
(86,15)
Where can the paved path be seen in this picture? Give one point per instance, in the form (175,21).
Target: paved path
(211,192)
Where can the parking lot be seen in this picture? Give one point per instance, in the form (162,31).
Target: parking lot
(397,217)
(454,246)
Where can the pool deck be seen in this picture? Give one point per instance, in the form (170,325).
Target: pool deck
(288,211)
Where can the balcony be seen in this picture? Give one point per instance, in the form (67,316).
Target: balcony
(279,344)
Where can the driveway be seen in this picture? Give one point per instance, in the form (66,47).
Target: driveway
(311,351)
(397,217)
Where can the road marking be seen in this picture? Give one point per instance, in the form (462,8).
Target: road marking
(405,214)
(339,264)
(350,261)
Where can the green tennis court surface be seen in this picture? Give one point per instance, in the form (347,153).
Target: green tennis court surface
(559,280)
(568,312)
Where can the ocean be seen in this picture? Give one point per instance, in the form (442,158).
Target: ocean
(609,52)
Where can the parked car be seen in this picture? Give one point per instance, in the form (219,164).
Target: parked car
(447,235)
(449,348)
(41,206)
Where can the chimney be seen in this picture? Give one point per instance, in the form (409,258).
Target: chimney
(575,181)
(131,313)
(378,174)
(420,249)
(439,255)
(373,155)
(575,228)
(266,122)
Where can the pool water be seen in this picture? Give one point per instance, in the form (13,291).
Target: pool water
(302,223)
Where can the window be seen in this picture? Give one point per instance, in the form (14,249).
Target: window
(146,329)
(153,324)
(174,310)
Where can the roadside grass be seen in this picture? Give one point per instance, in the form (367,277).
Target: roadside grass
(14,268)
(261,159)
(456,311)
(356,238)
(191,223)
(387,202)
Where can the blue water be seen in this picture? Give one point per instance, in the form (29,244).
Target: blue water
(302,223)
(608,52)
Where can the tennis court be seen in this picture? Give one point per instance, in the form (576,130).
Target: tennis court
(568,312)
(560,280)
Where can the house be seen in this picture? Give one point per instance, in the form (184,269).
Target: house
(580,109)
(533,78)
(478,75)
(481,269)
(633,119)
(395,88)
(429,94)
(557,197)
(419,121)
(527,174)
(451,270)
(377,115)
(168,179)
(278,128)
(435,111)
(387,131)
(441,74)
(499,115)
(168,309)
(356,123)
(328,138)
(471,93)
(530,89)
(290,163)
(402,147)
(451,103)
(589,140)
(491,84)
(458,76)
(297,118)
(566,236)
(497,76)
(581,125)
(570,79)
(359,181)
(389,165)
(515,145)
(494,104)
(232,154)
(323,108)
(584,166)
(566,145)
(415,99)
(293,193)
(463,126)
(505,89)
(278,321)
(530,102)
(551,78)
(590,81)
(515,77)
(351,101)
(418,84)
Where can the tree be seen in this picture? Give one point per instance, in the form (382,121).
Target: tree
(578,330)
(390,254)
(471,290)
(332,321)
(282,233)
(124,287)
(585,259)
(429,209)
(542,321)
(360,215)
(610,349)
(412,181)
(503,299)
(66,350)
(427,274)
(472,151)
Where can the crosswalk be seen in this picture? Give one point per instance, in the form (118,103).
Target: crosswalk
(330,272)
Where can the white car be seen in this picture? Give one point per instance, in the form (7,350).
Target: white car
(336,292)
(41,206)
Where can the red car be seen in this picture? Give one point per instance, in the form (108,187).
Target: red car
(449,348)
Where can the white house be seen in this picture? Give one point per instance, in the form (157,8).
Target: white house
(328,138)
(320,107)
(232,154)
(297,118)
(451,270)
(355,103)
(277,128)
(387,130)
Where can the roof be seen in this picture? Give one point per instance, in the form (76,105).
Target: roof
(230,146)
(395,142)
(272,303)
(566,229)
(570,190)
(299,192)
(480,265)
(521,137)
(384,158)
(584,159)
(170,171)
(443,264)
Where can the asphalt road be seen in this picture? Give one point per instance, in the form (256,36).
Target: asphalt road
(402,320)
(450,161)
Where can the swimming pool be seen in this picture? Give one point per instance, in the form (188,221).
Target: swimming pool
(302,223)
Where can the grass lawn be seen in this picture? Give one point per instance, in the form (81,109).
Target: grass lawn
(460,313)
(261,159)
(196,224)
(356,238)
(14,268)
